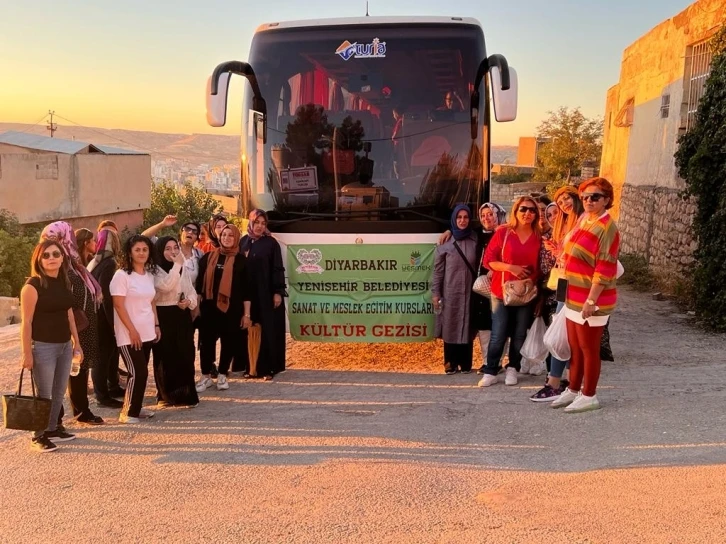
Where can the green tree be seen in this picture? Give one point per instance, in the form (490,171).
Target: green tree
(701,162)
(571,141)
(188,203)
(16,248)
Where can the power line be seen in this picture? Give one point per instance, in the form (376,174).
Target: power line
(136,146)
(31,127)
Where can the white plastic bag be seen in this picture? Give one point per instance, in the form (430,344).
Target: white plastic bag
(534,349)
(556,337)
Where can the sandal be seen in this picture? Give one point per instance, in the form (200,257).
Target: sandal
(267,378)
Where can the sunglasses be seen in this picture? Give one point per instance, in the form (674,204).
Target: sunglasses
(525,209)
(593,197)
(190,230)
(52,254)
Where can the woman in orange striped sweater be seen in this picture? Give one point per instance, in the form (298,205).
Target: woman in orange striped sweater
(591,257)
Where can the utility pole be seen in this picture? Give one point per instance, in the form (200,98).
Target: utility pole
(51,126)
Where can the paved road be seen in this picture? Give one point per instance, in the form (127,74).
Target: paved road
(319,456)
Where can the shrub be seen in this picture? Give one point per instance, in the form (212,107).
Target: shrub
(16,248)
(637,274)
(701,162)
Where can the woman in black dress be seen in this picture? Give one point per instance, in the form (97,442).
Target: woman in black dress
(86,300)
(267,280)
(174,353)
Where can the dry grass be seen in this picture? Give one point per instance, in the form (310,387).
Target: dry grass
(416,358)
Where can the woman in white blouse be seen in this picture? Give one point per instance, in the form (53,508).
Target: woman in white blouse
(174,353)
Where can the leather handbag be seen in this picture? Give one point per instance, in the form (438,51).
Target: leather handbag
(517,292)
(483,285)
(25,413)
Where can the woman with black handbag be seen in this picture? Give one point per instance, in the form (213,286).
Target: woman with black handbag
(453,277)
(48,326)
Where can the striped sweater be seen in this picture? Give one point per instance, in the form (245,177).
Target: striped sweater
(591,256)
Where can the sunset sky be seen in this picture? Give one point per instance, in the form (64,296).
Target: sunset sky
(143,64)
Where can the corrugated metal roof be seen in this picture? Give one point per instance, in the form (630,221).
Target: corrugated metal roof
(59,145)
(108,150)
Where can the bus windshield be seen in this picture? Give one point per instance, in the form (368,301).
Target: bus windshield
(365,124)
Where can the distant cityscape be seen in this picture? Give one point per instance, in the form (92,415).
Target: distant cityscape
(212,177)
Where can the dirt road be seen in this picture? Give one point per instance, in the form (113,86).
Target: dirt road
(408,456)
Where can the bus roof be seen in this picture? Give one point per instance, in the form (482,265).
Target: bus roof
(355,21)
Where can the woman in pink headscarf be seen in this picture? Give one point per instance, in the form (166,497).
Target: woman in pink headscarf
(86,300)
(266,274)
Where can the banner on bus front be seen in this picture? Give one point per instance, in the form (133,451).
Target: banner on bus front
(356,293)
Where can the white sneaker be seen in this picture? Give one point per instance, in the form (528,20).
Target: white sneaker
(537,369)
(566,398)
(525,365)
(510,376)
(145,414)
(583,404)
(487,380)
(123,418)
(222,382)
(204,383)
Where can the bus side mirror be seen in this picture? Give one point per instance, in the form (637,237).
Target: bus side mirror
(218,87)
(505,101)
(217,103)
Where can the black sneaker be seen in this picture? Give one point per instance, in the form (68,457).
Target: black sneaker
(59,436)
(41,444)
(89,418)
(546,394)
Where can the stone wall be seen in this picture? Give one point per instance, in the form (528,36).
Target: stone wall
(9,311)
(655,222)
(506,194)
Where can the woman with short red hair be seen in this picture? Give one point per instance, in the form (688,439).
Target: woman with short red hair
(591,258)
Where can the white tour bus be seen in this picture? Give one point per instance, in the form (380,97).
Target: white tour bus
(360,135)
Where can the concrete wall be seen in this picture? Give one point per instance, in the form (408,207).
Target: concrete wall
(112,184)
(638,157)
(35,186)
(42,187)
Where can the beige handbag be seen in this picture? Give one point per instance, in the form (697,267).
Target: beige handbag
(517,292)
(483,285)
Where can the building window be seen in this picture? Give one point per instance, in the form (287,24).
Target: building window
(46,167)
(698,67)
(665,106)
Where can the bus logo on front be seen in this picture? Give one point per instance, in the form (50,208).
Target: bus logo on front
(375,49)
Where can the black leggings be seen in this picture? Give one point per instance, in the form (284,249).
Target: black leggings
(137,363)
(78,392)
(215,326)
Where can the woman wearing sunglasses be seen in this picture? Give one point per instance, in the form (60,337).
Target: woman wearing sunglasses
(47,328)
(591,258)
(512,254)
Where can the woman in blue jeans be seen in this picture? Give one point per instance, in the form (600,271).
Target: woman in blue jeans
(512,254)
(47,328)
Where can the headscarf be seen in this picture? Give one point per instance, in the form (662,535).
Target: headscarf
(162,261)
(551,205)
(62,232)
(254,215)
(104,247)
(211,235)
(500,212)
(225,286)
(458,233)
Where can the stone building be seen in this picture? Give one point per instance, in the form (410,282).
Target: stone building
(45,179)
(661,82)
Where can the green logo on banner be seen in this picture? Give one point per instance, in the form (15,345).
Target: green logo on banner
(353,293)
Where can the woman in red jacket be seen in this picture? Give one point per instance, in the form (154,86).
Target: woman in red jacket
(512,254)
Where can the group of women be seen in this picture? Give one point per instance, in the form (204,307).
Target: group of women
(90,300)
(566,250)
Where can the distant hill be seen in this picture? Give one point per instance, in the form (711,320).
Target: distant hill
(195,148)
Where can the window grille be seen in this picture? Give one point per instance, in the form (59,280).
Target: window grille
(665,106)
(700,68)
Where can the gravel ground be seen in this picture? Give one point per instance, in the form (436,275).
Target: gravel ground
(406,455)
